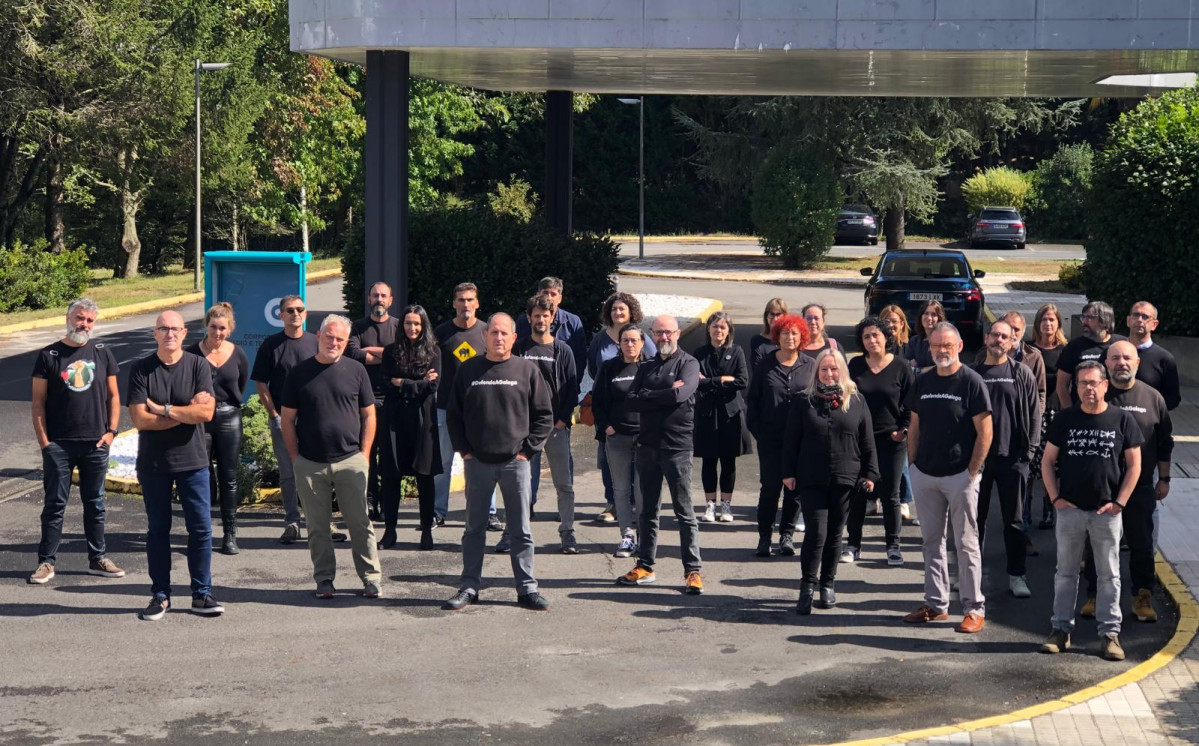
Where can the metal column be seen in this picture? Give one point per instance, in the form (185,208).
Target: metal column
(387,172)
(559,153)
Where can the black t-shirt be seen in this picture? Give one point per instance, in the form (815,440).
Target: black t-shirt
(328,398)
(1090,464)
(1050,355)
(229,380)
(76,389)
(370,333)
(947,406)
(180,448)
(885,392)
(457,346)
(1149,409)
(278,354)
(1079,350)
(828,342)
(1159,370)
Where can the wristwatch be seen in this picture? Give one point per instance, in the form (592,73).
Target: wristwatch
(1164,479)
(111,430)
(166,411)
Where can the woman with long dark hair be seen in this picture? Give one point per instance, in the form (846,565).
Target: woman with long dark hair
(409,445)
(828,452)
(223,433)
(931,314)
(720,432)
(760,345)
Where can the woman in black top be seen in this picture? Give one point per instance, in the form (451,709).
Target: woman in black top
(894,317)
(410,446)
(223,433)
(883,381)
(616,427)
(720,433)
(1049,340)
(780,377)
(931,314)
(760,345)
(828,451)
(818,341)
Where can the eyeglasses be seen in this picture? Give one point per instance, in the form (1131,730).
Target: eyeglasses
(812,318)
(664,332)
(294,310)
(630,341)
(170,329)
(1140,315)
(1089,317)
(1091,384)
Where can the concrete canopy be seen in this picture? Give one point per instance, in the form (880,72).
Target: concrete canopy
(766,47)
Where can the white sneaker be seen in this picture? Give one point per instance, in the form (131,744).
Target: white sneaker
(800,527)
(872,507)
(726,512)
(1019,586)
(709,515)
(850,554)
(905,511)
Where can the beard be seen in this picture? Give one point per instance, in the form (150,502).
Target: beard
(1122,375)
(379,311)
(1093,335)
(944,362)
(78,336)
(666,349)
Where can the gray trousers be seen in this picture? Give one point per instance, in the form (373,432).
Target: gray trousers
(1072,529)
(942,502)
(626,487)
(287,474)
(654,465)
(513,479)
(557,450)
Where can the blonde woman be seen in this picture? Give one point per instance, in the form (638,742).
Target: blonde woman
(828,452)
(901,332)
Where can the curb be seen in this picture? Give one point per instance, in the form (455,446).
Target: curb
(132,309)
(1184,634)
(685,239)
(799,281)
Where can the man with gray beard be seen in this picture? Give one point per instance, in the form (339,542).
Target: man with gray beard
(76,409)
(1098,321)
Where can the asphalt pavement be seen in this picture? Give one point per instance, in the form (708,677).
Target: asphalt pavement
(1039,251)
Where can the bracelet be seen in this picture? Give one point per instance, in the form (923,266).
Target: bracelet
(1054,500)
(1164,479)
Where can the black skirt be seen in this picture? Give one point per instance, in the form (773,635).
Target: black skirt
(718,434)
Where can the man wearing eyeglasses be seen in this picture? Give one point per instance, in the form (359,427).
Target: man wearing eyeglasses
(278,354)
(1157,367)
(170,398)
(663,392)
(1098,321)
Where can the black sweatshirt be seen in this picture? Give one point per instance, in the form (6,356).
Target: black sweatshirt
(1159,370)
(370,333)
(497,410)
(884,392)
(824,447)
(771,389)
(556,361)
(667,413)
(1148,407)
(609,395)
(1015,409)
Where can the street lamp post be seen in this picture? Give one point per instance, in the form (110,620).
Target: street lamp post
(640,101)
(201,67)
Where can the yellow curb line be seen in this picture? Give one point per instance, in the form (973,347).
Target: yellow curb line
(132,309)
(1184,634)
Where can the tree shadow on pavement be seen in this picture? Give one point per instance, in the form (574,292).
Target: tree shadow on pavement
(1177,714)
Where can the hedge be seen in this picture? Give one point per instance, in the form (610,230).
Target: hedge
(796,199)
(33,277)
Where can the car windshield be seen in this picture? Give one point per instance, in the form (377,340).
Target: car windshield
(999,215)
(856,208)
(924,267)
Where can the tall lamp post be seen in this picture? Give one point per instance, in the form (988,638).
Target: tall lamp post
(640,101)
(201,67)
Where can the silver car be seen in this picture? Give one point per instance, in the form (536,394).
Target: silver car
(998,225)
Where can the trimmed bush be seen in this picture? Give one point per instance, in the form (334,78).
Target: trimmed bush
(32,277)
(1143,211)
(1061,187)
(1070,276)
(796,198)
(999,187)
(256,449)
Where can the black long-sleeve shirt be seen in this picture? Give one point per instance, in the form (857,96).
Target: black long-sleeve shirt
(759,347)
(667,412)
(556,362)
(609,398)
(1159,370)
(1015,409)
(885,392)
(499,409)
(771,389)
(714,363)
(823,446)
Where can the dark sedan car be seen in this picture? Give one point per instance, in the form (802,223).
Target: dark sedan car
(907,278)
(857,224)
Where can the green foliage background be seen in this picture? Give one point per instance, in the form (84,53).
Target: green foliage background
(795,203)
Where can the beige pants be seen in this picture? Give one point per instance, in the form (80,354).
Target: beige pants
(316,485)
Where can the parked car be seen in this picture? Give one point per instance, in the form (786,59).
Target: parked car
(908,277)
(998,225)
(857,224)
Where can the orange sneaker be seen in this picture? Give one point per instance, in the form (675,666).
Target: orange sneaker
(695,584)
(637,576)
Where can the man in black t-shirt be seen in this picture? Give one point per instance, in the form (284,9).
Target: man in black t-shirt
(76,408)
(276,357)
(1091,465)
(1156,365)
(368,337)
(170,398)
(1098,321)
(328,418)
(948,440)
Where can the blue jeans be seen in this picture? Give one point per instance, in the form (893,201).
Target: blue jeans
(1076,529)
(58,459)
(601,457)
(196,500)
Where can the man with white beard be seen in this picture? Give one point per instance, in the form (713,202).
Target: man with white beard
(76,409)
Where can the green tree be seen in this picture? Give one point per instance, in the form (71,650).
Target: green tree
(1000,186)
(795,204)
(1061,188)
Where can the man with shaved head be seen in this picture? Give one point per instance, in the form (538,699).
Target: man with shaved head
(499,416)
(170,398)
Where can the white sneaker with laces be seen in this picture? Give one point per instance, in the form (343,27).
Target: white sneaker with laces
(726,512)
(709,514)
(1019,586)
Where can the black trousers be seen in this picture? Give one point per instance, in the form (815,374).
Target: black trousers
(223,436)
(770,474)
(374,475)
(390,499)
(890,467)
(1010,475)
(1137,518)
(824,511)
(728,473)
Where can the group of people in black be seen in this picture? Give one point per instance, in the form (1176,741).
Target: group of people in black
(360,409)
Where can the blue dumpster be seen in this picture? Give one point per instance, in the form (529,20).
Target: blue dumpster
(253,282)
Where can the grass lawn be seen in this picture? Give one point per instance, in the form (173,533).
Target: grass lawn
(990,266)
(111,294)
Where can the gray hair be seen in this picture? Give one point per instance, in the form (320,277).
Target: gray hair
(500,316)
(946,327)
(83,304)
(550,282)
(333,318)
(1107,317)
(848,387)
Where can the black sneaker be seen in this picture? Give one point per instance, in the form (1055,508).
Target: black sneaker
(156,610)
(207,605)
(493,523)
(786,545)
(460,601)
(533,601)
(763,547)
(438,521)
(504,545)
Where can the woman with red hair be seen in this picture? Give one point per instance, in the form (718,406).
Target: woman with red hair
(778,377)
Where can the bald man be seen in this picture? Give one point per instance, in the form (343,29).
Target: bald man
(170,398)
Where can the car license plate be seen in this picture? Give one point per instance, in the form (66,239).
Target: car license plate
(924,296)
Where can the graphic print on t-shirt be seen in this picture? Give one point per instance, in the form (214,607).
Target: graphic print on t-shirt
(79,375)
(1090,442)
(464,352)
